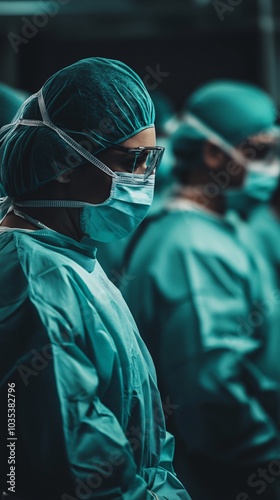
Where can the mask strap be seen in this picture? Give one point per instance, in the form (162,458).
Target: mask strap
(137,180)
(31,220)
(18,120)
(6,206)
(214,137)
(75,145)
(217,139)
(51,203)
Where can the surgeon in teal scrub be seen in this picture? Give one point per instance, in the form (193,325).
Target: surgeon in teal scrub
(201,305)
(77,164)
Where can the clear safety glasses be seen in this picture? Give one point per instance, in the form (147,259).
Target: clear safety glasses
(265,150)
(149,157)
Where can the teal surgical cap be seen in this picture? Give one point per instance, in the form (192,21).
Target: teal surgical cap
(232,109)
(10,100)
(95,101)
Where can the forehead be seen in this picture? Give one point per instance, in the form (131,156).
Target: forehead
(146,137)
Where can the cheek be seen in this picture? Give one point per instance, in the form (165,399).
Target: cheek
(105,190)
(236,173)
(92,184)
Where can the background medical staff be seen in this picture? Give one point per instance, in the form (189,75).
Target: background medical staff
(198,297)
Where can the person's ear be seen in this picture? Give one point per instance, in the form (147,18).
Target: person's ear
(65,177)
(213,157)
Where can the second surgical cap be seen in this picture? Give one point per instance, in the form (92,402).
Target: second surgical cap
(95,101)
(233,110)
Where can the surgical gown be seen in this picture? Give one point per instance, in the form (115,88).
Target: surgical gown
(265,224)
(195,293)
(265,227)
(89,422)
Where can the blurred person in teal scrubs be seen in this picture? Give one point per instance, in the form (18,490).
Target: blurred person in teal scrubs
(78,164)
(197,295)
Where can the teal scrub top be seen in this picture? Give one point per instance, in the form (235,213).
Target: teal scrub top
(89,421)
(265,228)
(265,225)
(194,290)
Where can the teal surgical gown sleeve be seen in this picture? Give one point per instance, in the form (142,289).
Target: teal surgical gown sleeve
(264,226)
(89,421)
(194,296)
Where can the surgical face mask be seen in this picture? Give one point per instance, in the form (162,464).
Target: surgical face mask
(258,187)
(261,182)
(129,201)
(130,197)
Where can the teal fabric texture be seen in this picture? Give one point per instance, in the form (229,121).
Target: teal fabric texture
(89,417)
(264,223)
(195,294)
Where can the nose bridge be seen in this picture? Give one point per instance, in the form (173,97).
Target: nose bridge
(148,161)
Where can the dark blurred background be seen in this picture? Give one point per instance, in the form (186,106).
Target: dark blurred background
(175,45)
